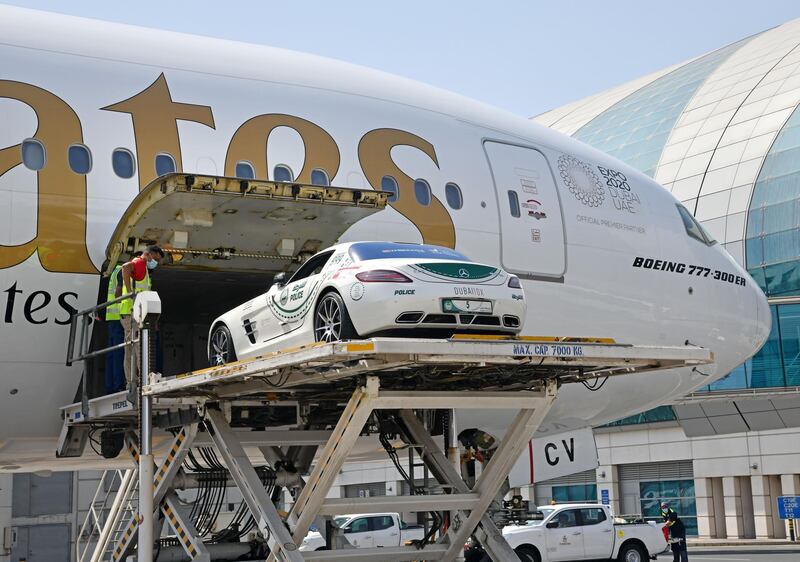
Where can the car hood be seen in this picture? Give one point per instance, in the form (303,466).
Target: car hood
(514,529)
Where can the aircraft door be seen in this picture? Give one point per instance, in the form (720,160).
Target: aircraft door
(532,242)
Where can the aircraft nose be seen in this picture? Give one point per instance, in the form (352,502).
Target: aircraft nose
(763,318)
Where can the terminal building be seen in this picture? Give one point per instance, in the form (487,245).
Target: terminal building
(722,133)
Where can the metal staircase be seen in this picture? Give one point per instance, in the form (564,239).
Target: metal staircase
(114,503)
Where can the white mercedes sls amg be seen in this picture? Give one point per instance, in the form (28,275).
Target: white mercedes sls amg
(363,289)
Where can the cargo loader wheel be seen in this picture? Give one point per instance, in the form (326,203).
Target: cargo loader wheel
(527,553)
(220,346)
(331,320)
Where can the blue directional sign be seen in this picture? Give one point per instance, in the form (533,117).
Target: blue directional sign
(604,497)
(789,507)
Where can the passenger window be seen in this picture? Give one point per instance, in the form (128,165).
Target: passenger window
(694,228)
(453,194)
(382,522)
(592,516)
(422,191)
(567,518)
(165,164)
(312,267)
(282,173)
(388,183)
(123,162)
(359,526)
(33,154)
(245,171)
(319,177)
(513,203)
(80,159)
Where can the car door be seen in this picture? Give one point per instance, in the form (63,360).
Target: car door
(598,532)
(359,534)
(564,537)
(385,531)
(291,304)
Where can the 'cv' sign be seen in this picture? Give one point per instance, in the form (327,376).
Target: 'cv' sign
(556,455)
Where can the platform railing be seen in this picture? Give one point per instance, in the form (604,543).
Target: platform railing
(80,323)
(85,318)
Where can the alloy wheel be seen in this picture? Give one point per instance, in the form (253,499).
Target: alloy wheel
(219,346)
(328,320)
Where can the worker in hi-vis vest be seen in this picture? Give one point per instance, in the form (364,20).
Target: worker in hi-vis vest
(115,371)
(115,375)
(135,279)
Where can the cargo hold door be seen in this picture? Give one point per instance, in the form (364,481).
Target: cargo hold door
(210,223)
(532,243)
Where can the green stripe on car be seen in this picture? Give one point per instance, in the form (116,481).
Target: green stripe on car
(462,271)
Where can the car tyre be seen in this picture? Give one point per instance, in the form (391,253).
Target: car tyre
(220,346)
(331,319)
(528,554)
(632,552)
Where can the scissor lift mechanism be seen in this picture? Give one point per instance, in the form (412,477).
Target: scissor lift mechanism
(401,374)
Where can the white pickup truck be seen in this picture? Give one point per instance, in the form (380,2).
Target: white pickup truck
(367,530)
(585,531)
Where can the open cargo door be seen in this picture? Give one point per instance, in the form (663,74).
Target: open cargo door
(209,223)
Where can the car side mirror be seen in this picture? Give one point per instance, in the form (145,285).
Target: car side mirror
(279,279)
(552,525)
(347,530)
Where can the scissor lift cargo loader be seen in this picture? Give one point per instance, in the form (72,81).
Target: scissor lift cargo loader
(200,219)
(357,378)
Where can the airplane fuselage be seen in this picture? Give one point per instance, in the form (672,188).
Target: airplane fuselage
(601,248)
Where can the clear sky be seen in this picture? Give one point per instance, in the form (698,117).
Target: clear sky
(523,56)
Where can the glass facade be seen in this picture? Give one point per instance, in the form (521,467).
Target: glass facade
(772,246)
(636,129)
(680,496)
(575,493)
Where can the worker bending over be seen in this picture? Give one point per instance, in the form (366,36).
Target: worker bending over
(677,538)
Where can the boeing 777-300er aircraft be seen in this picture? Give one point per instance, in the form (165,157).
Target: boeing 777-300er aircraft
(93,112)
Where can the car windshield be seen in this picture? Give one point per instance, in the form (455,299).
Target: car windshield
(339,521)
(363,251)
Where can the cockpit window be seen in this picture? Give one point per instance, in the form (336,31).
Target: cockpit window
(363,251)
(694,228)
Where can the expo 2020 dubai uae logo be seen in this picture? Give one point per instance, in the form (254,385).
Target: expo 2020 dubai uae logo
(581,180)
